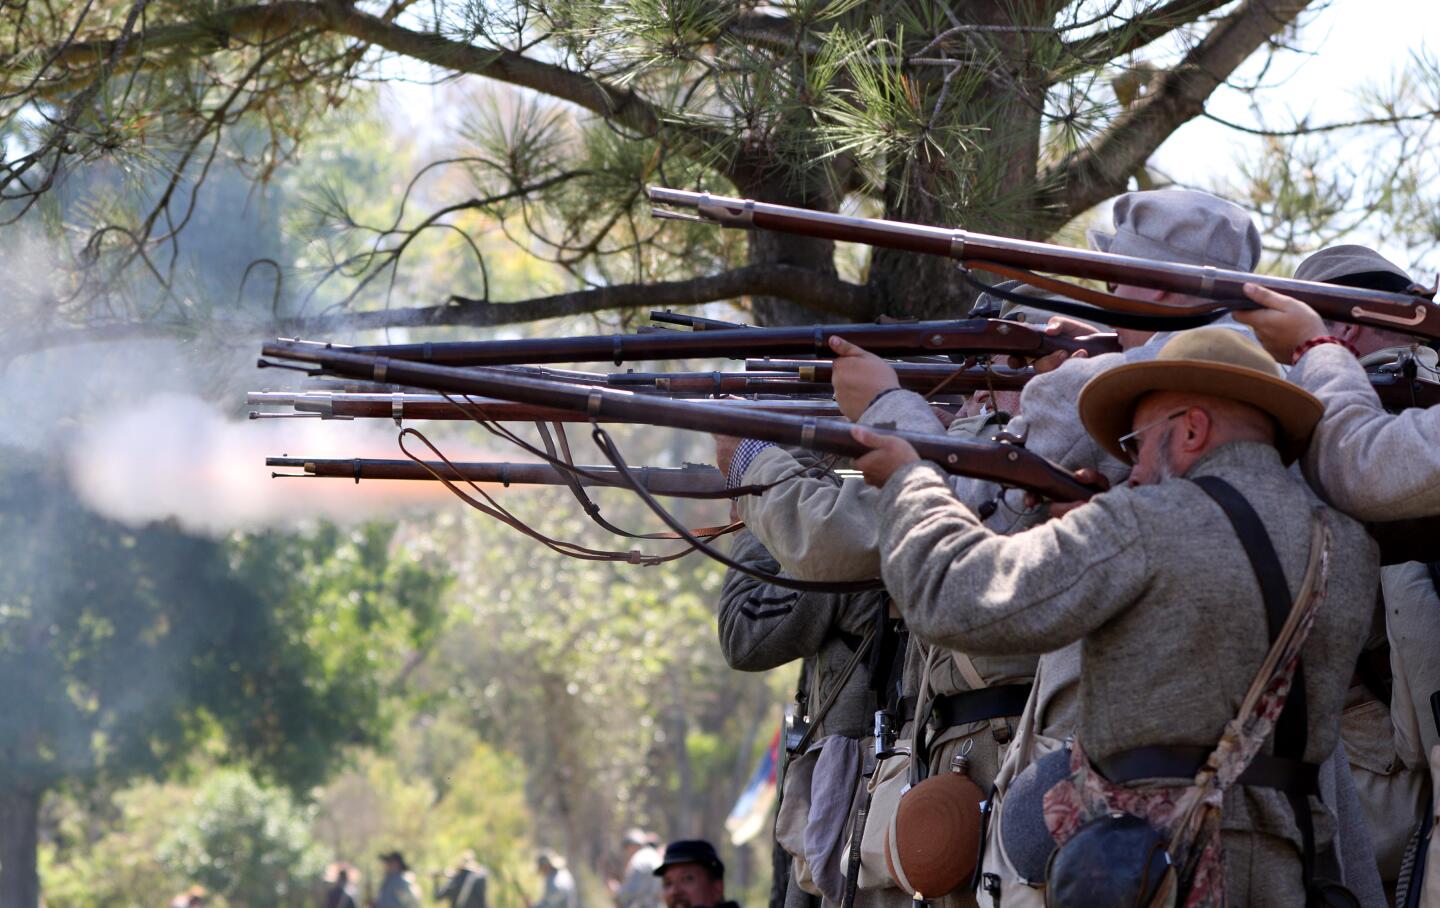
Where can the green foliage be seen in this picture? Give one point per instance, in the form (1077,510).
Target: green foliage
(346,608)
(250,844)
(123,650)
(434,795)
(105,854)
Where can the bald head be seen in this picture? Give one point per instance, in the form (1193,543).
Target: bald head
(1181,427)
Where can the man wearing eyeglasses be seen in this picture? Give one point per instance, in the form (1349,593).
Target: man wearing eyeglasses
(1153,581)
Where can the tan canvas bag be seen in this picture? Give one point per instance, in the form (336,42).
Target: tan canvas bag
(1000,883)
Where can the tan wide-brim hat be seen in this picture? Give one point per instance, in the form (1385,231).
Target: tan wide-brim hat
(1214,361)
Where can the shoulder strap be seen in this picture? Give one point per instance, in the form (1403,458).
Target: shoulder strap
(1292,724)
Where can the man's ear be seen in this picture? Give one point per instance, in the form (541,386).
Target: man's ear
(1346,331)
(1197,428)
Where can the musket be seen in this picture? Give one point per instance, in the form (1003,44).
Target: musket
(401,406)
(1399,391)
(964,337)
(714,384)
(914,376)
(680,481)
(994,461)
(812,381)
(1410,312)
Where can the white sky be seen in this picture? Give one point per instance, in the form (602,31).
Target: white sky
(1355,44)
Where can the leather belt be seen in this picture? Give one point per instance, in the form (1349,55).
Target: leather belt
(1179,762)
(998,702)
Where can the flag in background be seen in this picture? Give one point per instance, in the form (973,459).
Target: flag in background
(747,817)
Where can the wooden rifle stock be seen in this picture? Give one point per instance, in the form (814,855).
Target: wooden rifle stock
(685,480)
(966,336)
(995,461)
(1409,313)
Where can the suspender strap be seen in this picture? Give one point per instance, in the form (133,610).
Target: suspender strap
(1290,727)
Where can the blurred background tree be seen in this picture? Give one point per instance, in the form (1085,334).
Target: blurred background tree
(219,171)
(124,652)
(249,845)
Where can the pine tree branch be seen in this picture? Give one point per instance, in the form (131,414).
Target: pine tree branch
(826,294)
(76,64)
(1138,31)
(1177,96)
(263,23)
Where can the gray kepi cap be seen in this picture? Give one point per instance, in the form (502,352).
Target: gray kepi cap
(1181,225)
(1354,266)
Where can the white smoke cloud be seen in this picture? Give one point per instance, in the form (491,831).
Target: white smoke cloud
(177,456)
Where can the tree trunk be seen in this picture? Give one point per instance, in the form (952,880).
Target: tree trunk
(772,247)
(19,835)
(1000,187)
(679,734)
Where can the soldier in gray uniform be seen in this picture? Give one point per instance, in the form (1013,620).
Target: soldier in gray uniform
(1387,725)
(1153,581)
(847,646)
(1190,227)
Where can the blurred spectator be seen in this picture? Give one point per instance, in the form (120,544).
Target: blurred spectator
(559,884)
(397,889)
(339,895)
(692,876)
(639,887)
(194,897)
(465,885)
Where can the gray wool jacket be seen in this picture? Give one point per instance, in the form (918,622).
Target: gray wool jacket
(1157,587)
(817,526)
(763,626)
(1369,463)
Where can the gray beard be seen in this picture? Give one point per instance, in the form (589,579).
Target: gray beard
(1166,471)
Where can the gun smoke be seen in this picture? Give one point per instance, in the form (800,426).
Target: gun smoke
(177,457)
(156,430)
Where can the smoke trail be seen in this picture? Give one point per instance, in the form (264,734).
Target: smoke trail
(176,456)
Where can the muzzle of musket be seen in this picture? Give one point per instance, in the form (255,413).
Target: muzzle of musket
(707,206)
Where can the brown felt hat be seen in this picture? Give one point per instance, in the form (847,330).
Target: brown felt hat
(1214,361)
(932,844)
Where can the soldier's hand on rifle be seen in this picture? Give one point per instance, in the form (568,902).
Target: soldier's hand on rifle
(1283,323)
(859,377)
(1060,508)
(888,453)
(1058,326)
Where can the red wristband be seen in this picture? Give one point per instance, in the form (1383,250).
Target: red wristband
(1317,341)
